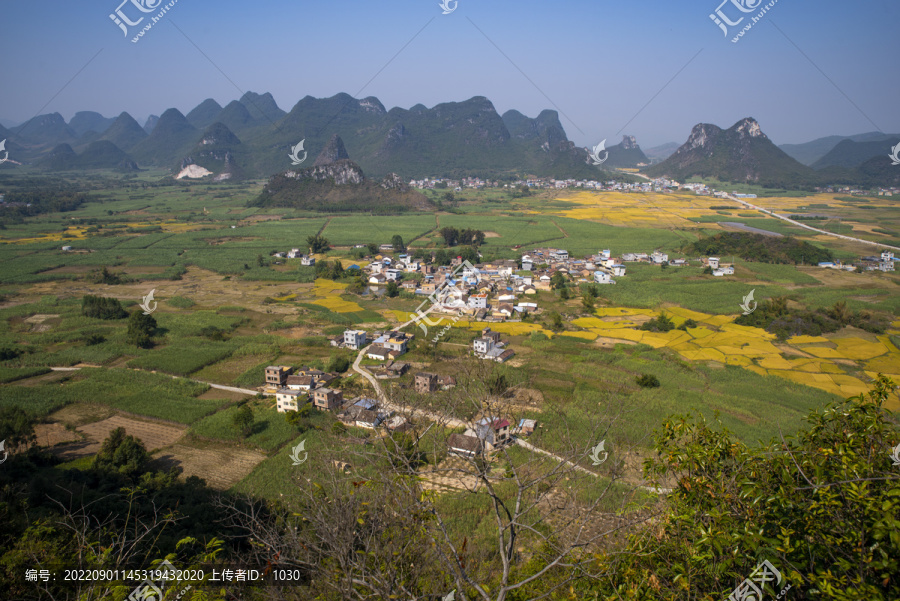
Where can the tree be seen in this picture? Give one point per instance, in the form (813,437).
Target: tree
(450,235)
(122,453)
(260,261)
(564,293)
(300,418)
(587,303)
(140,329)
(397,243)
(449,198)
(372,248)
(558,280)
(338,363)
(243,419)
(468,253)
(16,428)
(337,269)
(821,506)
(647,381)
(392,289)
(317,244)
(100,307)
(663,323)
(556,321)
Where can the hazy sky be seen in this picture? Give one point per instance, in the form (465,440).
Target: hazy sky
(805,70)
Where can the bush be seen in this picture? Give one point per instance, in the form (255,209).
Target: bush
(181,302)
(94,339)
(689,323)
(140,330)
(100,307)
(647,381)
(660,324)
(338,363)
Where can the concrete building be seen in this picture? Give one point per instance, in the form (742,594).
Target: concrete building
(354,339)
(426,382)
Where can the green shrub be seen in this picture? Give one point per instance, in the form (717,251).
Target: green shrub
(101,307)
(181,302)
(647,381)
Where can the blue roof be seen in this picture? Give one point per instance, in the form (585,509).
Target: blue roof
(365,403)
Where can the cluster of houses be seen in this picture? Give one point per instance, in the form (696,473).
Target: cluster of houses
(296,253)
(885,263)
(293,388)
(385,346)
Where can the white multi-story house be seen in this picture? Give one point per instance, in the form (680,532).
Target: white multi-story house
(307,260)
(713,262)
(478,301)
(354,339)
(617,269)
(658,257)
(601,277)
(287,399)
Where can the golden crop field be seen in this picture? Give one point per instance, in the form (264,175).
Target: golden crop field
(327,294)
(818,361)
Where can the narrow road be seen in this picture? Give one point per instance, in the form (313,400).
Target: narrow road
(210,384)
(807,227)
(458,423)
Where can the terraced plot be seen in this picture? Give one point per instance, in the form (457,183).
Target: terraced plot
(222,466)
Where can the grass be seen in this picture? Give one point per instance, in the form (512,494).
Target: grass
(11,374)
(183,356)
(153,395)
(270,429)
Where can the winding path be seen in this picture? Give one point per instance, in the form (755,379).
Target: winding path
(458,423)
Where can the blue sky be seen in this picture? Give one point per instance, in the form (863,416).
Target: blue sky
(599,63)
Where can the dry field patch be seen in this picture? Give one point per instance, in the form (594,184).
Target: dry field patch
(222,466)
(154,435)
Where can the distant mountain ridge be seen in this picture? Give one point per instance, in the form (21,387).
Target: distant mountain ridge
(810,152)
(741,153)
(253,138)
(335,183)
(848,153)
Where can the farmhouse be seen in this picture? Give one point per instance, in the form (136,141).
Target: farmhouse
(354,339)
(327,398)
(277,375)
(426,382)
(288,400)
(464,446)
(305,383)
